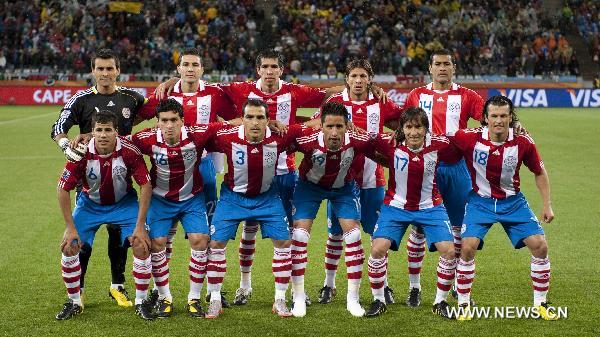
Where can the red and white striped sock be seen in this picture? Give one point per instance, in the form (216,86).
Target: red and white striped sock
(300,238)
(142,273)
(446,270)
(246,253)
(215,272)
(415,247)
(282,271)
(333,253)
(354,257)
(457,241)
(540,276)
(465,275)
(160,272)
(377,275)
(170,239)
(71,274)
(197,270)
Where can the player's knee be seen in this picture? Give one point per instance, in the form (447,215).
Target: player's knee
(469,248)
(538,246)
(158,244)
(140,250)
(217,244)
(198,241)
(379,248)
(446,249)
(282,243)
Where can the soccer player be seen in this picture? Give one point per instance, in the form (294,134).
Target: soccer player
(371,114)
(174,151)
(326,173)
(124,103)
(449,107)
(494,154)
(202,103)
(412,197)
(248,194)
(106,170)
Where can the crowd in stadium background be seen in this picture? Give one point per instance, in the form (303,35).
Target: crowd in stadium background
(317,37)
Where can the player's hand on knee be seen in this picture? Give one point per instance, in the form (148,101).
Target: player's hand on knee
(140,239)
(71,243)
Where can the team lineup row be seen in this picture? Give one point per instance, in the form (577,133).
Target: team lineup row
(261,184)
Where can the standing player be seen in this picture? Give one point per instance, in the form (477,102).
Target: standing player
(124,103)
(174,151)
(247,194)
(413,198)
(202,103)
(368,113)
(494,154)
(326,173)
(107,197)
(449,107)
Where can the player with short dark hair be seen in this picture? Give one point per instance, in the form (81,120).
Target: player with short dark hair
(326,173)
(175,151)
(248,194)
(105,170)
(494,154)
(124,103)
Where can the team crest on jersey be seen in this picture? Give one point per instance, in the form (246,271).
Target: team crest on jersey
(346,162)
(510,162)
(119,171)
(283,110)
(430,167)
(126,112)
(454,108)
(189,155)
(373,119)
(270,158)
(204,110)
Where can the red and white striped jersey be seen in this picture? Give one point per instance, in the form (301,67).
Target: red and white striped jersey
(175,175)
(495,167)
(201,107)
(251,166)
(106,178)
(283,105)
(412,184)
(371,116)
(329,169)
(448,111)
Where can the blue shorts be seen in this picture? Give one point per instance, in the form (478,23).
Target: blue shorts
(371,200)
(393,221)
(284,185)
(308,198)
(164,212)
(513,213)
(265,208)
(209,179)
(89,216)
(454,183)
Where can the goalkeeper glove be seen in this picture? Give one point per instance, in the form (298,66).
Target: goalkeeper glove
(72,155)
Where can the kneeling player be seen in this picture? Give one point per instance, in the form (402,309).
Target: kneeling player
(413,198)
(247,194)
(326,173)
(494,154)
(174,151)
(107,197)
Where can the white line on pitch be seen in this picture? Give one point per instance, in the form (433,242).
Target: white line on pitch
(27,118)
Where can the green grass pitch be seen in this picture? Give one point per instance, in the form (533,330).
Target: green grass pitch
(31,228)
